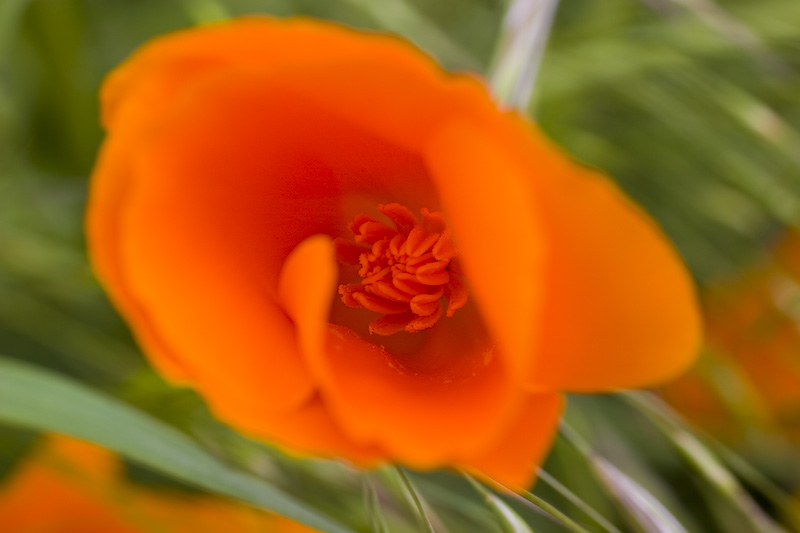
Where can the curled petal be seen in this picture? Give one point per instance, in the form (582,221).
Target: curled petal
(622,309)
(500,241)
(618,309)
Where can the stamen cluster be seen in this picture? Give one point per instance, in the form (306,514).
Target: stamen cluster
(407,268)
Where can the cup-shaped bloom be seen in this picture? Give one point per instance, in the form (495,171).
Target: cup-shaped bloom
(350,252)
(69,486)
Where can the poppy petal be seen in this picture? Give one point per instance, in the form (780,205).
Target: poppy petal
(618,308)
(511,462)
(421,417)
(204,265)
(621,308)
(397,404)
(103,227)
(311,429)
(307,288)
(486,196)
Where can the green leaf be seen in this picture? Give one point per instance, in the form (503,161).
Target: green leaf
(413,496)
(403,18)
(703,461)
(650,514)
(10,16)
(44,401)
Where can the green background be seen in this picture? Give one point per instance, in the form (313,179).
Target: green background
(695,111)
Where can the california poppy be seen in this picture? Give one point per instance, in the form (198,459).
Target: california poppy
(350,252)
(69,486)
(754,342)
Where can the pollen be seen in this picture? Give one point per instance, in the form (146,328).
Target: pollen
(408,267)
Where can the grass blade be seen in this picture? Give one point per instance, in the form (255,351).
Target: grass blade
(703,461)
(548,508)
(373,504)
(642,507)
(520,49)
(41,400)
(648,512)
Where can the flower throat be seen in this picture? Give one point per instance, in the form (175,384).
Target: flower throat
(407,269)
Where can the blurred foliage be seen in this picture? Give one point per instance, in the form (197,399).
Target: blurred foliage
(694,107)
(745,389)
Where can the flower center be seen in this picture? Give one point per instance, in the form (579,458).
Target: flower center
(407,268)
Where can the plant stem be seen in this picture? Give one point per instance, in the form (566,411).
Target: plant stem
(520,49)
(551,510)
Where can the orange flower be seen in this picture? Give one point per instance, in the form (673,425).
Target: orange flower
(752,331)
(352,253)
(68,486)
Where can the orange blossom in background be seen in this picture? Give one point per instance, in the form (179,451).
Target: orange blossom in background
(751,376)
(69,486)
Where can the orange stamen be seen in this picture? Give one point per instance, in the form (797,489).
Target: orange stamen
(406,266)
